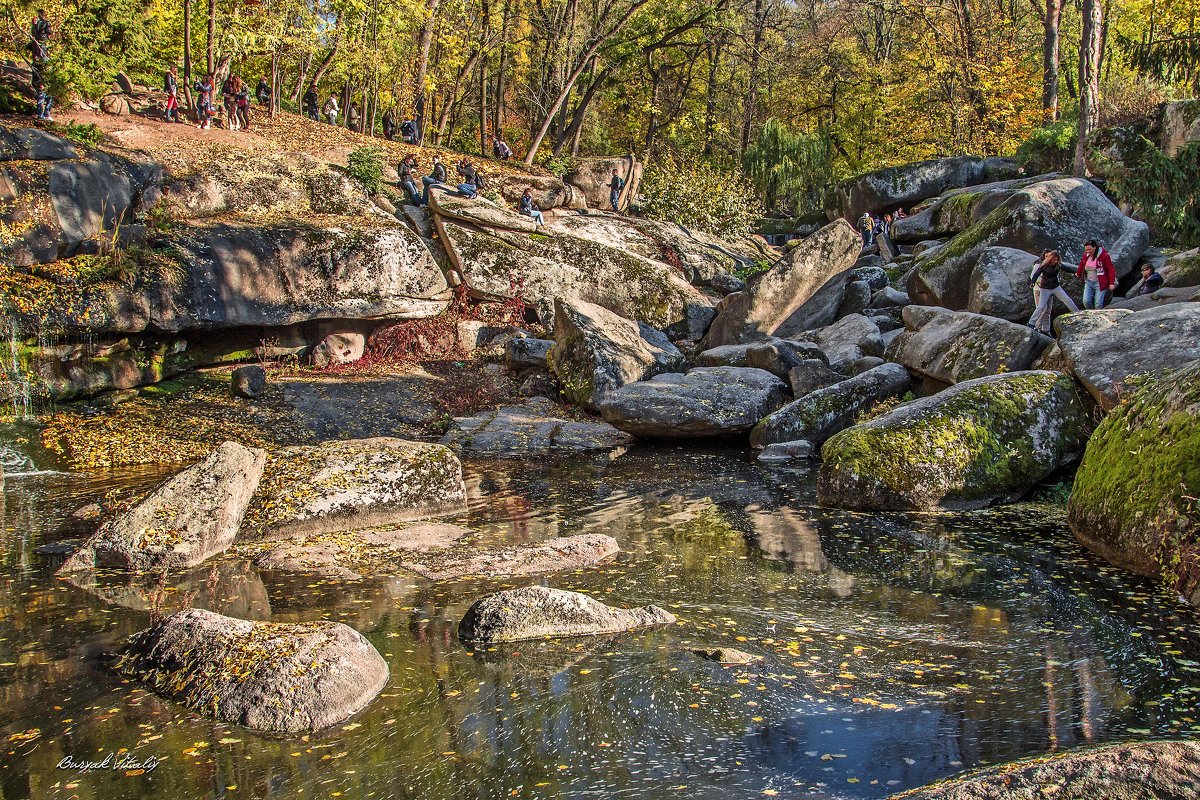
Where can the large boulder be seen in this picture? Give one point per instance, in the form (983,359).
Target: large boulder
(1060,214)
(1133,501)
(907,185)
(958,209)
(1161,770)
(955,346)
(535,612)
(537,425)
(189,518)
(848,340)
(999,285)
(1182,269)
(266,676)
(821,413)
(1104,349)
(707,401)
(596,352)
(591,177)
(33,144)
(771,297)
(985,441)
(358,483)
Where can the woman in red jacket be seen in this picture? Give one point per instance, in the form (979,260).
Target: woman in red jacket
(1098,273)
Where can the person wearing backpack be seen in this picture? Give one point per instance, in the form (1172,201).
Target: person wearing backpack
(1045,277)
(614,191)
(470,185)
(408,131)
(171,87)
(40,30)
(330,109)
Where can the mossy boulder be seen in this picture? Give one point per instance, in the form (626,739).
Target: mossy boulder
(908,184)
(1134,498)
(1182,269)
(535,612)
(985,441)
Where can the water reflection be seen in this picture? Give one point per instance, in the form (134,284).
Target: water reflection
(898,649)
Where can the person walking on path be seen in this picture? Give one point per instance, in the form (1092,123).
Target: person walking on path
(330,109)
(408,167)
(1045,277)
(530,209)
(352,119)
(229,101)
(1098,273)
(242,103)
(40,30)
(436,176)
(310,103)
(204,101)
(867,226)
(171,87)
(614,191)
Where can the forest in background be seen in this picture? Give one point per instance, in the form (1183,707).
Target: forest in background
(793,95)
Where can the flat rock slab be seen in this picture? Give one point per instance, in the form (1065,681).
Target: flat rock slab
(354,484)
(1168,770)
(359,554)
(267,676)
(537,425)
(362,408)
(192,516)
(708,401)
(534,612)
(567,552)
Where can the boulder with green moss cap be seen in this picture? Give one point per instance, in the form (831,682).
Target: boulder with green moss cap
(985,441)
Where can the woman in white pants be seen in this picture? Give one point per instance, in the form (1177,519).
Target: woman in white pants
(1044,279)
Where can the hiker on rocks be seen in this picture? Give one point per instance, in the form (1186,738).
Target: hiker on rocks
(900,214)
(614,191)
(881,231)
(310,103)
(469,188)
(204,101)
(40,30)
(1045,277)
(1152,281)
(1098,273)
(389,124)
(866,225)
(171,87)
(408,131)
(262,93)
(408,168)
(241,100)
(501,150)
(436,176)
(330,109)
(352,119)
(530,209)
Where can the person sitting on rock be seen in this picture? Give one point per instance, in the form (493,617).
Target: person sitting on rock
(1045,277)
(1098,273)
(469,188)
(614,191)
(436,176)
(1152,281)
(408,167)
(530,209)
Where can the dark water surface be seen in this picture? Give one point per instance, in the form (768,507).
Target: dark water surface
(899,649)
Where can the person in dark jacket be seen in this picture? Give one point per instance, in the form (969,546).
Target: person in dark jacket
(389,124)
(530,209)
(204,101)
(262,93)
(437,175)
(171,88)
(500,149)
(40,30)
(241,99)
(408,131)
(408,168)
(1045,277)
(310,104)
(1098,274)
(615,185)
(1152,281)
(469,187)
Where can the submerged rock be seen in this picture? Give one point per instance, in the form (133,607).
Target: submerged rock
(192,516)
(707,401)
(536,425)
(537,611)
(267,676)
(341,485)
(786,451)
(567,552)
(725,655)
(981,442)
(353,556)
(1165,770)
(1133,500)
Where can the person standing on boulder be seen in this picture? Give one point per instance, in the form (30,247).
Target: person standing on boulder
(614,191)
(1098,273)
(1045,277)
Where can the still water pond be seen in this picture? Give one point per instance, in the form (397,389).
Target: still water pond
(898,649)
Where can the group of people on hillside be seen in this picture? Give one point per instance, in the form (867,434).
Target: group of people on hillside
(876,230)
(235,99)
(471,180)
(1099,278)
(407,129)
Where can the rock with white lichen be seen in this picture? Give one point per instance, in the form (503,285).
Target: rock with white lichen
(534,612)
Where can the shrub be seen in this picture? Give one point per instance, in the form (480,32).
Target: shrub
(790,168)
(701,196)
(1050,148)
(558,165)
(1161,188)
(365,165)
(88,135)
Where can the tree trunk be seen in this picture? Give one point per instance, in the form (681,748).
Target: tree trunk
(1050,59)
(1089,80)
(466,70)
(337,42)
(212,34)
(302,78)
(187,51)
(710,106)
(498,105)
(424,41)
(574,130)
(750,105)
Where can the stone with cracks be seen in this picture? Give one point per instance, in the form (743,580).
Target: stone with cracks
(597,352)
(848,340)
(189,518)
(707,401)
(537,425)
(820,414)
(907,185)
(267,676)
(556,555)
(999,285)
(779,356)
(535,612)
(810,375)
(249,381)
(955,346)
(985,441)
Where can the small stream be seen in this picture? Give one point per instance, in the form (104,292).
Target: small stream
(899,648)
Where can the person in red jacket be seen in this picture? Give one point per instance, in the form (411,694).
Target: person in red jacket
(1098,274)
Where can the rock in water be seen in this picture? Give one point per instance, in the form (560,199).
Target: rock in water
(267,676)
(977,443)
(772,296)
(708,401)
(726,655)
(1167,770)
(536,425)
(358,483)
(555,555)
(248,381)
(820,414)
(1133,501)
(535,612)
(596,352)
(189,518)
(1104,349)
(954,346)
